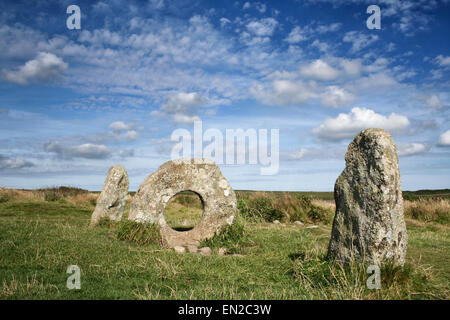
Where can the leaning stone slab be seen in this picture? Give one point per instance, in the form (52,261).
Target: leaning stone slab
(369,223)
(111,201)
(201,176)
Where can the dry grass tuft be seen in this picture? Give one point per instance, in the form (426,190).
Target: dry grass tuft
(428,210)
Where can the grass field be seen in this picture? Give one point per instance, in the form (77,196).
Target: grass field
(42,232)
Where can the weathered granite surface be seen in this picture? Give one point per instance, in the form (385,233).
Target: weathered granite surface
(201,176)
(369,223)
(111,201)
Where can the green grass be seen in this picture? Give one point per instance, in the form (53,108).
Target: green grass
(40,239)
(184,211)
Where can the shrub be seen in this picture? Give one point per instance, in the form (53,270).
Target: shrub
(139,233)
(58,193)
(429,210)
(232,237)
(259,209)
(106,222)
(318,214)
(52,195)
(4,198)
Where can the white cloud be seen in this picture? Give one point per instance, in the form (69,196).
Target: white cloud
(101,36)
(183,118)
(285,93)
(329,28)
(376,81)
(378,65)
(434,102)
(224,22)
(45,67)
(443,61)
(87,150)
(14,163)
(351,67)
(131,135)
(359,40)
(262,27)
(335,96)
(119,126)
(90,151)
(322,46)
(319,69)
(410,149)
(261,7)
(125,153)
(182,106)
(444,139)
(250,40)
(296,35)
(19,41)
(181,101)
(348,125)
(297,155)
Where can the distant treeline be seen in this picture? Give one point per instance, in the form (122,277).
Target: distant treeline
(319,195)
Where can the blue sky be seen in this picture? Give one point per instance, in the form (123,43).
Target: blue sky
(75,102)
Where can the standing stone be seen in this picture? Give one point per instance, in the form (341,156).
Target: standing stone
(111,201)
(369,223)
(201,176)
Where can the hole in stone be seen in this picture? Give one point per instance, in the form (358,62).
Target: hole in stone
(184,210)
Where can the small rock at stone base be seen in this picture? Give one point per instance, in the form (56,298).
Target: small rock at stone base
(179,249)
(192,249)
(206,251)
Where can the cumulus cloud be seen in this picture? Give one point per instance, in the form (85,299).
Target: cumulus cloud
(119,126)
(183,118)
(322,46)
(285,92)
(434,102)
(410,149)
(263,27)
(348,125)
(126,153)
(305,154)
(443,61)
(359,40)
(351,67)
(181,101)
(444,139)
(131,135)
(261,7)
(329,28)
(87,150)
(335,96)
(319,69)
(45,67)
(180,105)
(376,81)
(224,22)
(13,163)
(296,35)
